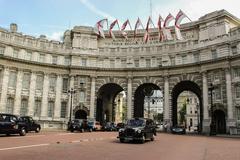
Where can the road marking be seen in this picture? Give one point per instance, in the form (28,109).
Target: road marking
(29,136)
(20,147)
(64,134)
(76,141)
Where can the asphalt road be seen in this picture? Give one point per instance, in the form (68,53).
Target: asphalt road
(105,146)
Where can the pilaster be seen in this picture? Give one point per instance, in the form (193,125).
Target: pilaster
(129,98)
(45,97)
(31,100)
(4,90)
(92,99)
(17,102)
(57,107)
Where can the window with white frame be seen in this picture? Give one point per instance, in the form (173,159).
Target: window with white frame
(12,79)
(237,91)
(39,82)
(52,83)
(37,108)
(214,54)
(196,57)
(50,108)
(24,107)
(15,53)
(172,60)
(238,113)
(41,57)
(136,62)
(67,61)
(28,55)
(84,62)
(148,63)
(2,50)
(54,59)
(236,72)
(10,105)
(63,109)
(65,85)
(81,96)
(217,93)
(184,59)
(26,81)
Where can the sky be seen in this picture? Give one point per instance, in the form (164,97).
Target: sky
(53,17)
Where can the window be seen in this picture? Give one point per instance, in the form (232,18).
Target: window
(184,59)
(196,57)
(82,96)
(50,108)
(37,108)
(24,107)
(136,63)
(15,53)
(65,85)
(217,92)
(148,63)
(238,113)
(39,82)
(2,49)
(237,90)
(26,81)
(41,58)
(52,83)
(54,59)
(10,104)
(63,109)
(12,79)
(159,61)
(67,61)
(172,59)
(28,55)
(214,54)
(234,50)
(84,62)
(112,63)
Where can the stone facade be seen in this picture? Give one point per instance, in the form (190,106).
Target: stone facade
(209,53)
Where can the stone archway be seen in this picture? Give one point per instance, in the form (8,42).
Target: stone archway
(177,90)
(80,114)
(105,102)
(139,97)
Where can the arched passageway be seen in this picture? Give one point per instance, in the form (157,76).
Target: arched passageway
(80,114)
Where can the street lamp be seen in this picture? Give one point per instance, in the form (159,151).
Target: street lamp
(212,126)
(71,92)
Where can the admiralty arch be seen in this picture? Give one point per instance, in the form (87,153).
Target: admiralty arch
(36,73)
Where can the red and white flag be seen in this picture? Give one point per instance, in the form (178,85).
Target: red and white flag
(160,20)
(99,27)
(146,35)
(166,32)
(111,27)
(124,25)
(138,23)
(180,16)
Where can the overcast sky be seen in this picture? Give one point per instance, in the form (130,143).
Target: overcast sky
(53,17)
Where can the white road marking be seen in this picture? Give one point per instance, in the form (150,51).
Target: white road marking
(20,147)
(29,136)
(76,141)
(64,134)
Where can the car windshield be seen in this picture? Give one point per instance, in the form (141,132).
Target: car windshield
(135,123)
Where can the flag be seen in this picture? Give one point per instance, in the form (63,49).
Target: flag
(146,36)
(168,19)
(99,27)
(166,32)
(111,27)
(138,23)
(124,27)
(180,16)
(160,20)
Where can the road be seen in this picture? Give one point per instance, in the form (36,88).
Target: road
(63,145)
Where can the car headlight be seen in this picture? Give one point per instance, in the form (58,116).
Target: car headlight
(121,130)
(139,131)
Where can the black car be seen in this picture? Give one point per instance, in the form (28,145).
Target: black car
(120,125)
(109,126)
(178,130)
(31,125)
(11,124)
(139,129)
(80,125)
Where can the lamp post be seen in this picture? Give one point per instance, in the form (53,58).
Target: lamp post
(70,92)
(212,131)
(148,92)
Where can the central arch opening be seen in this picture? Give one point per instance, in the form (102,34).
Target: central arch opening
(111,104)
(190,96)
(148,102)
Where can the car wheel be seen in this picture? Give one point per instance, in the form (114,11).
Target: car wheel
(121,140)
(8,134)
(22,132)
(37,130)
(143,139)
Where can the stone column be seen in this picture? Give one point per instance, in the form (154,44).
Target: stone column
(4,90)
(17,102)
(44,107)
(57,107)
(31,101)
(129,98)
(92,99)
(166,100)
(206,120)
(69,98)
(230,120)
